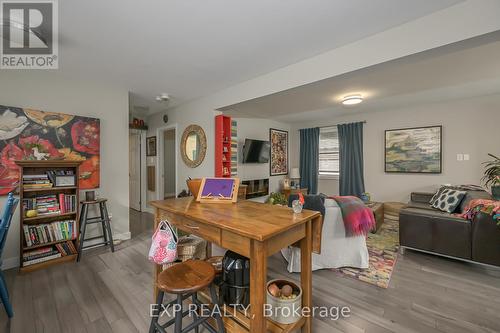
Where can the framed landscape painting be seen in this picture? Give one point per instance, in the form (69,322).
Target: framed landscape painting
(414,150)
(279,152)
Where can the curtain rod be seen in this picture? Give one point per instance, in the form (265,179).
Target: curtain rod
(362,121)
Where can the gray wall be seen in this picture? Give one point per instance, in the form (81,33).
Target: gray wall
(469,127)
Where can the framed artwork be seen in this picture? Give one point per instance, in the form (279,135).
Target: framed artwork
(151,146)
(27,134)
(414,150)
(279,152)
(218,190)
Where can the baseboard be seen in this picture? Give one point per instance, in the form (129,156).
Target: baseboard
(149,210)
(9,263)
(13,262)
(451,257)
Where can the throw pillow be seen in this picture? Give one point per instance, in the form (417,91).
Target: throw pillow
(437,195)
(449,199)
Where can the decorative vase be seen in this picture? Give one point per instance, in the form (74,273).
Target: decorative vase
(296,206)
(495,192)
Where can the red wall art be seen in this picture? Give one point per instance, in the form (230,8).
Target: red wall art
(27,134)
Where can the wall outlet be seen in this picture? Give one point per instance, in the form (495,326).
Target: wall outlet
(460,157)
(466,157)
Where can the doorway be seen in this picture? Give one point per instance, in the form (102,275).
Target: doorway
(134,170)
(167,162)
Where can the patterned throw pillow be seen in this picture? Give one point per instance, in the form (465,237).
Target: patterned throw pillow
(437,194)
(449,199)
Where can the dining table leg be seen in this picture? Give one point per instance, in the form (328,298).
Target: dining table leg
(306,274)
(258,279)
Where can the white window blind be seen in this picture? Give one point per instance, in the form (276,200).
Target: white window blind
(328,151)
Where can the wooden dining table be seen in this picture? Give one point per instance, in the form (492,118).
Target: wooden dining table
(256,231)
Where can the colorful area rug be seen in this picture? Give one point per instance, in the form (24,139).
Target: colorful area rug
(383,250)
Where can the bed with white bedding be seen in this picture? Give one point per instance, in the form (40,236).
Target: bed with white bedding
(337,250)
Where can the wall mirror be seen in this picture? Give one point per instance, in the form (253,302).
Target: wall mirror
(193,145)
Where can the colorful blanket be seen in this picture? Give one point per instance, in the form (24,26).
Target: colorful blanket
(358,219)
(476,206)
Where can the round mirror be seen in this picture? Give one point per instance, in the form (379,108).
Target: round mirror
(193,146)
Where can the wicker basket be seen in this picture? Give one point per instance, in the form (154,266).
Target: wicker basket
(191,247)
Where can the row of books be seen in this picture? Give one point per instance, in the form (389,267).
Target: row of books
(51,204)
(48,253)
(36,181)
(50,232)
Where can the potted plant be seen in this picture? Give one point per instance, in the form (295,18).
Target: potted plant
(276,198)
(492,176)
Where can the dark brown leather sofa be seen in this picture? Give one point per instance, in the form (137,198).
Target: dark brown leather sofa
(424,228)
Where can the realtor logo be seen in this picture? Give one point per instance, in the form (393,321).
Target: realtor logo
(29,34)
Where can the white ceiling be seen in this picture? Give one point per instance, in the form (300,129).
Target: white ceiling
(191,48)
(464,69)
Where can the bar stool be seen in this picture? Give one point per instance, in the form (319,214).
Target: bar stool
(184,280)
(107,236)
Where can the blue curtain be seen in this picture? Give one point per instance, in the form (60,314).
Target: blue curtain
(309,159)
(351,159)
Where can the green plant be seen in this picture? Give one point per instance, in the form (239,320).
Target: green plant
(277,199)
(492,173)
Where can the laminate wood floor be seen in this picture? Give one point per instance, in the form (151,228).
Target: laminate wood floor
(111,292)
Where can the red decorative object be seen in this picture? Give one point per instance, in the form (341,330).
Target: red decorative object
(222,146)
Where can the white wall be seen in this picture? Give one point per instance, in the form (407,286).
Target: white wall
(469,127)
(46,90)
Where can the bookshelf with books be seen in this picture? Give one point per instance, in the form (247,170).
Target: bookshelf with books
(49,195)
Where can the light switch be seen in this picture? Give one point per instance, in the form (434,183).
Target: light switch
(466,157)
(460,157)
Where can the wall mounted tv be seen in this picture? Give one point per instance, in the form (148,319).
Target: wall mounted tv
(256,151)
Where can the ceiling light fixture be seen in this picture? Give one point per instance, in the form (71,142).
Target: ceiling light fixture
(163,97)
(352,99)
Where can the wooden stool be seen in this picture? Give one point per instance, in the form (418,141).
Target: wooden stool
(107,236)
(185,279)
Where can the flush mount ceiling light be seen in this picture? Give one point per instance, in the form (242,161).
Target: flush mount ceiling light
(352,99)
(163,97)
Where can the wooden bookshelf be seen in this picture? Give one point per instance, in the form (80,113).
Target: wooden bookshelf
(222,146)
(39,168)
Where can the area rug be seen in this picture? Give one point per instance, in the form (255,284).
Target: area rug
(383,250)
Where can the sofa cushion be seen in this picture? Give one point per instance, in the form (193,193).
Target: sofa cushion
(435,231)
(422,197)
(421,205)
(436,195)
(448,200)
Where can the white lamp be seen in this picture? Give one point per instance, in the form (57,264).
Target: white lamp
(294,174)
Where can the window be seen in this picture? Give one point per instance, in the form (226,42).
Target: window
(328,152)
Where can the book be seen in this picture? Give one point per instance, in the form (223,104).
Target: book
(40,260)
(49,232)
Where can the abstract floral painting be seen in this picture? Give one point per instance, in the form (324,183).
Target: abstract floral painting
(60,136)
(413,150)
(279,152)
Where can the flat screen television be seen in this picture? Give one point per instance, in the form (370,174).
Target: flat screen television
(256,151)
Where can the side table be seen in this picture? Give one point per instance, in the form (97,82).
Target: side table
(378,212)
